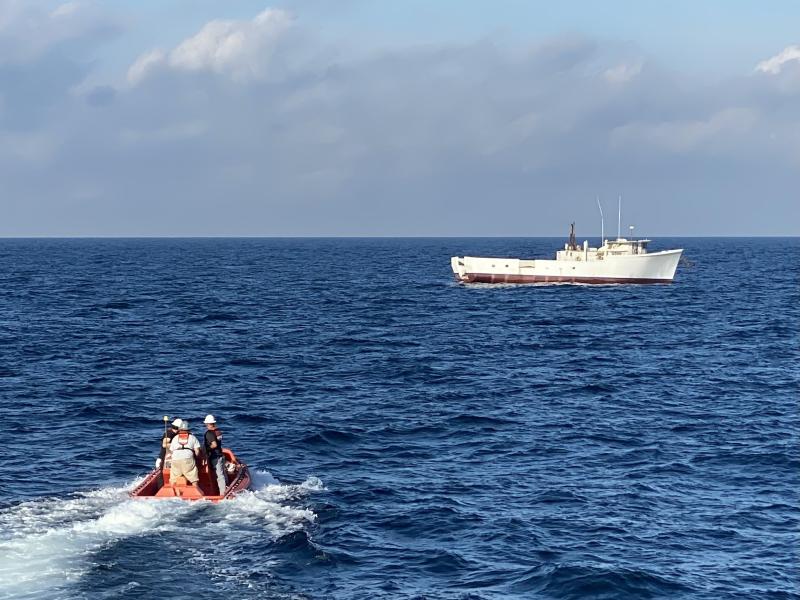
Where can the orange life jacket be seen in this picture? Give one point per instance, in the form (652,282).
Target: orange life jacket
(183,439)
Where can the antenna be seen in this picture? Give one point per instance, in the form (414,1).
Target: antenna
(602,223)
(619,217)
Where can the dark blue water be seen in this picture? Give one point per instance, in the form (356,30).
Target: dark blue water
(411,437)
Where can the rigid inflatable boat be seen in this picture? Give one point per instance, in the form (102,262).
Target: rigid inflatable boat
(156,485)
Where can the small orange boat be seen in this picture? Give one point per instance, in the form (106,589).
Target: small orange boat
(156,485)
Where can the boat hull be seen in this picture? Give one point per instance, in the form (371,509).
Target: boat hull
(156,486)
(657,267)
(510,278)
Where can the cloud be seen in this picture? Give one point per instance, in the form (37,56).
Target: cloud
(30,29)
(263,126)
(44,53)
(170,133)
(720,132)
(65,10)
(101,95)
(775,64)
(18,147)
(623,73)
(238,48)
(145,64)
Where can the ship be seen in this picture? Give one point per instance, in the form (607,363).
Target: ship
(622,260)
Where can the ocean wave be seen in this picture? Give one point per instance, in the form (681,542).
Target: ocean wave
(599,583)
(332,437)
(215,316)
(482,420)
(249,362)
(117,305)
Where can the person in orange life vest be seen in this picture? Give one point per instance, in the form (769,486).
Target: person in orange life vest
(213,445)
(185,448)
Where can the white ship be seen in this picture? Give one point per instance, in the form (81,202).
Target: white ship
(615,261)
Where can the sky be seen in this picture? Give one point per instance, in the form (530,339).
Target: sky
(414,118)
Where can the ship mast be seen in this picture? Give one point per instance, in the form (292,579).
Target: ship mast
(573,245)
(602,224)
(619,217)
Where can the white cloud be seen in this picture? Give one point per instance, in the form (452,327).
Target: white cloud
(144,64)
(30,29)
(775,64)
(65,10)
(241,49)
(36,147)
(714,133)
(622,73)
(170,133)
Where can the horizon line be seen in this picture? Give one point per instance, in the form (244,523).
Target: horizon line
(282,236)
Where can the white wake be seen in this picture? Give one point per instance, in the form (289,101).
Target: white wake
(47,545)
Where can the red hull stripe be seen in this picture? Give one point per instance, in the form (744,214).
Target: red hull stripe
(498,278)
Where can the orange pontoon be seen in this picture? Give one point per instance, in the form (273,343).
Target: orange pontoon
(238,478)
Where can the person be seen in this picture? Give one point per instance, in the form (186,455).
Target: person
(185,448)
(213,445)
(165,440)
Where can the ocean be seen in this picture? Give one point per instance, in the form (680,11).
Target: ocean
(410,437)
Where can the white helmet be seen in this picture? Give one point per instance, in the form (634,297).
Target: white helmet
(177,422)
(209,419)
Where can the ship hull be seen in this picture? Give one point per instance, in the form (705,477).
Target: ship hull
(652,268)
(511,278)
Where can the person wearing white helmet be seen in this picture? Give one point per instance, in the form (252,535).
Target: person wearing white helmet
(185,448)
(213,445)
(166,439)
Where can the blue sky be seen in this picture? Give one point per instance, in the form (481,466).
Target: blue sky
(307,117)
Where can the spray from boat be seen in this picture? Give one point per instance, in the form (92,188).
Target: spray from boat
(48,545)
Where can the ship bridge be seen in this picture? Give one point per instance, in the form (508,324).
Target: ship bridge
(624,246)
(617,247)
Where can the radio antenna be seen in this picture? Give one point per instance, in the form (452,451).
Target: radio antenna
(602,223)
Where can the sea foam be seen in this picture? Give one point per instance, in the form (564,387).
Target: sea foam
(47,545)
